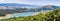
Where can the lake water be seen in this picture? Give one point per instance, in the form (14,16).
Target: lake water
(24,14)
(19,14)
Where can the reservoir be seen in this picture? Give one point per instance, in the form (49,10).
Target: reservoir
(24,14)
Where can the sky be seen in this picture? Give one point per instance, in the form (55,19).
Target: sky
(34,2)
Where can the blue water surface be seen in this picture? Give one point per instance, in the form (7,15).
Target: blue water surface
(23,14)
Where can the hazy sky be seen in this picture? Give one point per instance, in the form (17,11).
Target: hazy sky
(35,2)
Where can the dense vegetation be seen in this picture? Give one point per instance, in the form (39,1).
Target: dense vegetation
(50,16)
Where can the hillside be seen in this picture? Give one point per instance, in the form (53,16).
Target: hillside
(50,16)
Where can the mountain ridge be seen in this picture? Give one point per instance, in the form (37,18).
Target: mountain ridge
(20,8)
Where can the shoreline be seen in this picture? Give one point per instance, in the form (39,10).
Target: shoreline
(36,13)
(6,16)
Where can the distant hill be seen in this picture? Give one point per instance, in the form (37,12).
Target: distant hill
(50,7)
(8,8)
(14,5)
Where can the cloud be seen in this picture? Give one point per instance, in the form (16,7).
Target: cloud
(36,2)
